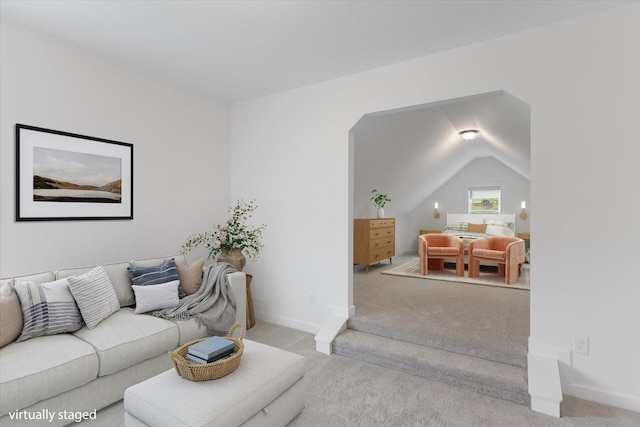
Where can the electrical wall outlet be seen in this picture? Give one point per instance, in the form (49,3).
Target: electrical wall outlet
(312,297)
(580,344)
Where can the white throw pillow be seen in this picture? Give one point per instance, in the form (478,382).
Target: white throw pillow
(156,297)
(498,230)
(95,296)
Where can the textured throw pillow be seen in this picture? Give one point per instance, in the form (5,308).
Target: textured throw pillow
(458,226)
(477,228)
(190,276)
(94,295)
(10,315)
(163,273)
(156,297)
(499,228)
(47,309)
(498,223)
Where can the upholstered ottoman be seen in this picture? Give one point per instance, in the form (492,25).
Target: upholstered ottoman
(266,389)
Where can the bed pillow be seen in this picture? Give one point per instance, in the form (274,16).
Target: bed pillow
(499,228)
(498,223)
(10,315)
(163,273)
(156,297)
(95,296)
(477,228)
(458,226)
(47,309)
(190,276)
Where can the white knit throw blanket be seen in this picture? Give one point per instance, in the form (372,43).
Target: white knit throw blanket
(213,305)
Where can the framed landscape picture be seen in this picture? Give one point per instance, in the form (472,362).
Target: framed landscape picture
(64,176)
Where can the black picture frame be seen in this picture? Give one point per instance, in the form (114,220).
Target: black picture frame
(63,176)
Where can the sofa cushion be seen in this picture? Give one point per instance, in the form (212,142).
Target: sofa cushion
(47,276)
(125,338)
(117,274)
(190,275)
(42,367)
(10,314)
(156,297)
(95,296)
(47,308)
(190,330)
(150,262)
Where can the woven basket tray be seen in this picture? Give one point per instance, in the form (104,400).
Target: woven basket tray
(208,371)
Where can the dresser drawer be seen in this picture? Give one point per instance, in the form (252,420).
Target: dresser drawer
(376,244)
(378,233)
(381,223)
(382,253)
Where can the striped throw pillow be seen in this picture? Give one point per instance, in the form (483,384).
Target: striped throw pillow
(94,295)
(163,273)
(47,309)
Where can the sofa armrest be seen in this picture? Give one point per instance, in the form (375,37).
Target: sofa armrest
(238,284)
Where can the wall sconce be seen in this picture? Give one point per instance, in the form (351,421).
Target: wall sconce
(523,212)
(436,213)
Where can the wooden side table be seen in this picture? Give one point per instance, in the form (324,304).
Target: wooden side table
(251,319)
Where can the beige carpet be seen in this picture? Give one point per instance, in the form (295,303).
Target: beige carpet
(412,269)
(345,392)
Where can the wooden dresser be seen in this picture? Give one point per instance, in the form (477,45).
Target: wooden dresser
(373,240)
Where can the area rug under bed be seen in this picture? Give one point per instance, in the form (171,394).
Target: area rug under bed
(412,269)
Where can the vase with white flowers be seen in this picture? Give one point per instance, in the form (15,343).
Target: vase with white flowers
(379,200)
(231,240)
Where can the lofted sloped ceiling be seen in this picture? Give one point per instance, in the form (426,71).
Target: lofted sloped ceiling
(411,152)
(238,50)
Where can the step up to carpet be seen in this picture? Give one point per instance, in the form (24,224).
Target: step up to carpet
(493,346)
(483,376)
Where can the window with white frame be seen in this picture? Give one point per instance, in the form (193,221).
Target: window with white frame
(484,200)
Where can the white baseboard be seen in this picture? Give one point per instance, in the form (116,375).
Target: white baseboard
(607,397)
(346,312)
(581,391)
(289,322)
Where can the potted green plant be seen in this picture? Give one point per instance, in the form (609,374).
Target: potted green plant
(231,239)
(379,200)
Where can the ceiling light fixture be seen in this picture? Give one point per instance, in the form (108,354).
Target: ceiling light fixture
(468,135)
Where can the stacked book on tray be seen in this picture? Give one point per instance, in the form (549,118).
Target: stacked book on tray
(210,350)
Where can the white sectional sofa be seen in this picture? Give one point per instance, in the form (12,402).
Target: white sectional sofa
(65,375)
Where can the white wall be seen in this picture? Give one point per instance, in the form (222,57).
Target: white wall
(292,152)
(180,140)
(451,197)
